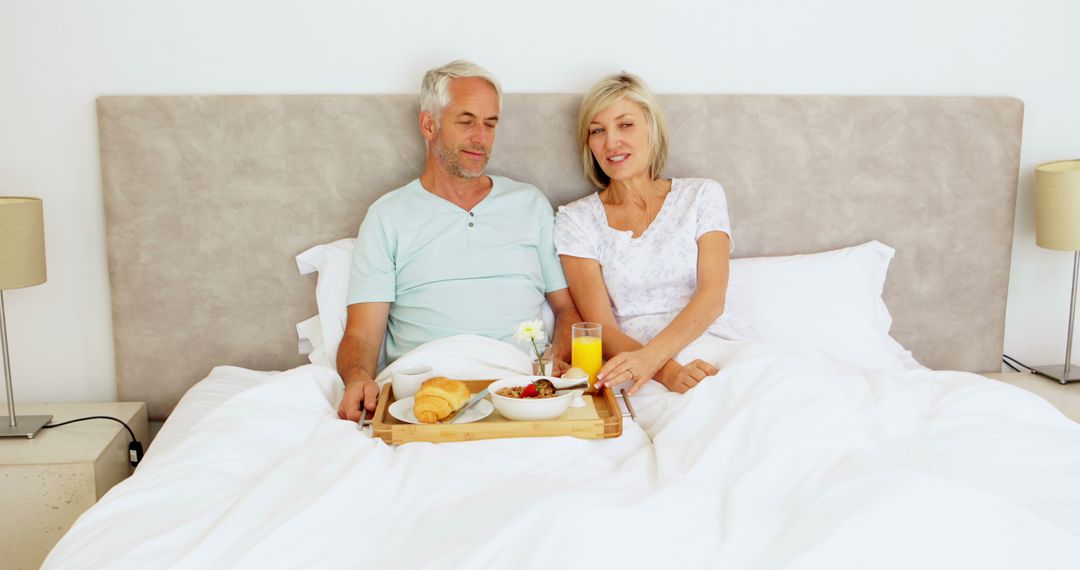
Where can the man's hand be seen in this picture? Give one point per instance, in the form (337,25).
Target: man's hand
(357,355)
(560,360)
(359,395)
(558,367)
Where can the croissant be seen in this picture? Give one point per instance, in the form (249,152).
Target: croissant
(438,397)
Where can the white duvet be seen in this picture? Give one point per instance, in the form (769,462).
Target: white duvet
(785,459)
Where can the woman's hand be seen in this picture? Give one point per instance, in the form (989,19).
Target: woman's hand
(637,366)
(686,377)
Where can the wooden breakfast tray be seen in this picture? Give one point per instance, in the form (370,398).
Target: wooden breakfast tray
(599,418)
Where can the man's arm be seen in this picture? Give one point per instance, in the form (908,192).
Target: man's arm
(358,355)
(566,314)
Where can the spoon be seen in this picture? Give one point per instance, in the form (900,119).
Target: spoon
(568,385)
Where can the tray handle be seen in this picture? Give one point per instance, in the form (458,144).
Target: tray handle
(629,406)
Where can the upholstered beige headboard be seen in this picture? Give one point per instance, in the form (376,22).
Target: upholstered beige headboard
(208,200)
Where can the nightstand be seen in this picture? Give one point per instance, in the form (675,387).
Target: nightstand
(48,481)
(1064,397)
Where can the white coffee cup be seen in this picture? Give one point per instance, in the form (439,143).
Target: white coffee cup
(407,379)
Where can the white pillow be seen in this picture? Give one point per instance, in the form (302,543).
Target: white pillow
(309,334)
(830,301)
(323,332)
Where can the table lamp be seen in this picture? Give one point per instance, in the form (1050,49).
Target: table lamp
(22,264)
(1057,226)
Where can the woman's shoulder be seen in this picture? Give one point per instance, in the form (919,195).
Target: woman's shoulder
(582,208)
(696,184)
(699,191)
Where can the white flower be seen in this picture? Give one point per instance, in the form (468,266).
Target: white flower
(530,330)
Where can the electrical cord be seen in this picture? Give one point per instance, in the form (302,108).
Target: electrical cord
(135,448)
(1005,358)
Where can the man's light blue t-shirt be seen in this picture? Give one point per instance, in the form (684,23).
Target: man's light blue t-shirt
(449,271)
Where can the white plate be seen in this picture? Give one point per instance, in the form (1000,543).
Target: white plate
(403,410)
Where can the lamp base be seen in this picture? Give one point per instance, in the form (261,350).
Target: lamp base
(25,426)
(1057,372)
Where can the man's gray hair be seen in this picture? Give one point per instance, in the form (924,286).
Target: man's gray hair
(435,89)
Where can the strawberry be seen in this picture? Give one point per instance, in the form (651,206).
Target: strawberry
(529,391)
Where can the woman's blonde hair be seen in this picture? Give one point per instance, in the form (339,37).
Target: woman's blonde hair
(606,92)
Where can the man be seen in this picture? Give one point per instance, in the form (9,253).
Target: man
(454,251)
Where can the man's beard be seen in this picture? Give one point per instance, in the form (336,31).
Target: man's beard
(451,159)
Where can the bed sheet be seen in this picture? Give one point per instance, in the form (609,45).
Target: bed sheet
(785,459)
(222,383)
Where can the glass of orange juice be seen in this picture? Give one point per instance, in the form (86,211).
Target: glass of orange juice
(586,352)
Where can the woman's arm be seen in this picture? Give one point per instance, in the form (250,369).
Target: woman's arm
(706,305)
(591,297)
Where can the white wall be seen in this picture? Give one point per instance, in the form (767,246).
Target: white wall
(56,56)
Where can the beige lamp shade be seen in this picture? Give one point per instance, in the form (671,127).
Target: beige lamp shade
(22,242)
(1057,205)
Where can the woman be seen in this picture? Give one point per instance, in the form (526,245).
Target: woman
(645,257)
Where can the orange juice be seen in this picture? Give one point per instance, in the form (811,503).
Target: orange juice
(587,354)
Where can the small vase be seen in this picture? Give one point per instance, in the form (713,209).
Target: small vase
(541,367)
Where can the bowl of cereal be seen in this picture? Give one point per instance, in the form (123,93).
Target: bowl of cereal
(530,398)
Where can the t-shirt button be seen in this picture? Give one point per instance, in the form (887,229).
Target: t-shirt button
(471,224)
(471,214)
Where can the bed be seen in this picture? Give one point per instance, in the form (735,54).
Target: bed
(873,240)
